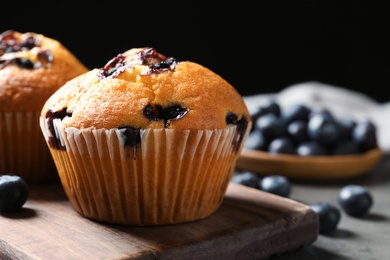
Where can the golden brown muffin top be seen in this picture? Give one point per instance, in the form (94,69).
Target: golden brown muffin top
(142,89)
(32,67)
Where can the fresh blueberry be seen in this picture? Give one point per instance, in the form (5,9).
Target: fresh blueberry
(266,106)
(271,126)
(364,134)
(282,144)
(345,147)
(297,130)
(247,178)
(14,192)
(329,216)
(323,112)
(310,148)
(355,200)
(256,141)
(346,124)
(323,129)
(271,105)
(295,112)
(276,184)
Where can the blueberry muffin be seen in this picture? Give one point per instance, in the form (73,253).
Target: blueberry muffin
(32,67)
(146,139)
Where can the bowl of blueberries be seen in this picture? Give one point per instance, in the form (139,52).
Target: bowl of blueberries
(307,143)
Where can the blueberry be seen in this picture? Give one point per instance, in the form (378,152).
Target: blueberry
(346,124)
(171,112)
(310,148)
(271,126)
(272,106)
(283,145)
(256,141)
(329,216)
(295,112)
(364,134)
(324,129)
(276,184)
(323,112)
(346,147)
(297,130)
(247,178)
(14,192)
(266,106)
(355,200)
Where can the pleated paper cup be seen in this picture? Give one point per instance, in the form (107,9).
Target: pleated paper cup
(23,150)
(168,176)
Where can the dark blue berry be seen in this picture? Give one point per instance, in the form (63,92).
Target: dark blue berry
(297,130)
(248,178)
(271,126)
(14,193)
(323,112)
(276,184)
(310,148)
(24,63)
(345,147)
(355,200)
(323,129)
(256,141)
(328,214)
(295,112)
(346,125)
(158,112)
(283,145)
(364,134)
(271,105)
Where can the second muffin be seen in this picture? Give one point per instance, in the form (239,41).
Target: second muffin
(146,140)
(32,67)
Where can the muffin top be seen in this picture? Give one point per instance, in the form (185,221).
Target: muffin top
(32,67)
(142,89)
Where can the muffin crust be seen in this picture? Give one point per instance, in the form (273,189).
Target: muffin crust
(142,89)
(32,67)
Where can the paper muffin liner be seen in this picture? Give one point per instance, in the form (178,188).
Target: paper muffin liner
(171,176)
(23,150)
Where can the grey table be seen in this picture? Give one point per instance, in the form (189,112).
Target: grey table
(355,238)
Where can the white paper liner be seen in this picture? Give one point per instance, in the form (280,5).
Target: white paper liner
(23,150)
(173,176)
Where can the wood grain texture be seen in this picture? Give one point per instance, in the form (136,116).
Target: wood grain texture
(250,224)
(310,168)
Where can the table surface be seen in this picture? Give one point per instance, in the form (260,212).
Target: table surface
(355,238)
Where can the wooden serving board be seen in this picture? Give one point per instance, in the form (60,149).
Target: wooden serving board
(250,224)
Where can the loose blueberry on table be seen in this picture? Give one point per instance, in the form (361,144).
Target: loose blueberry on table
(276,184)
(247,178)
(355,200)
(14,192)
(328,214)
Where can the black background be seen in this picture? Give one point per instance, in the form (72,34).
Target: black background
(261,47)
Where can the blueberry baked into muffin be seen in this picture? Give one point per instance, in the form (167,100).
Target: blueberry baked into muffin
(146,139)
(32,67)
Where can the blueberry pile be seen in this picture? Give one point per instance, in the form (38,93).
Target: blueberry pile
(303,131)
(354,200)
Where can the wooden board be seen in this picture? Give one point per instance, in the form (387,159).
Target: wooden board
(250,224)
